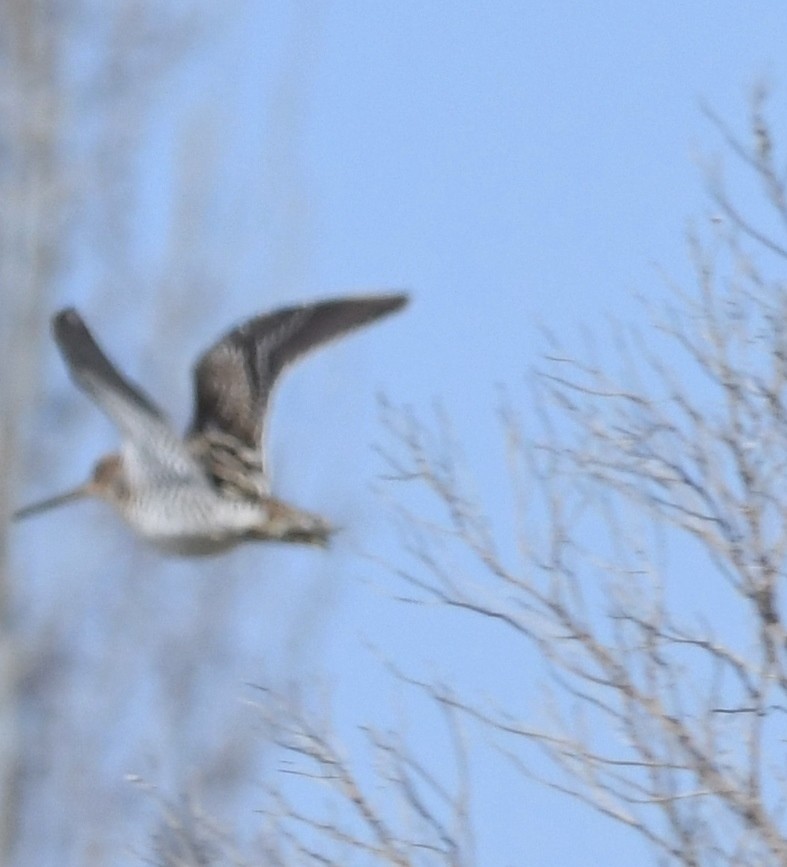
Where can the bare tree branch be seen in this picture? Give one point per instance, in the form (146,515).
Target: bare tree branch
(664,718)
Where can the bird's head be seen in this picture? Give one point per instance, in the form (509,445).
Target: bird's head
(107,482)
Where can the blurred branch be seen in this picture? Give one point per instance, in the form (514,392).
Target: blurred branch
(411,819)
(666,722)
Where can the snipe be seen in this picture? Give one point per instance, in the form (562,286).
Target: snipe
(207,491)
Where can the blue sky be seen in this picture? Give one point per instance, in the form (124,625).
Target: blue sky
(512,164)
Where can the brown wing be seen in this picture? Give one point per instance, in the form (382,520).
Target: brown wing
(92,370)
(235,377)
(151,447)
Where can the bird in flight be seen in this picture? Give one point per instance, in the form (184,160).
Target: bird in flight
(209,490)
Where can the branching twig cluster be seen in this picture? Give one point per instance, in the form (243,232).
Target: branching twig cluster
(668,674)
(403,815)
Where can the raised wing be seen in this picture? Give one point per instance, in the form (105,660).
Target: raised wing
(235,377)
(151,446)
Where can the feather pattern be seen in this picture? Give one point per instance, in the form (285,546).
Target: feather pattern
(207,492)
(234,379)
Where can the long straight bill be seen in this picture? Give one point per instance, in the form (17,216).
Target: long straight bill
(53,502)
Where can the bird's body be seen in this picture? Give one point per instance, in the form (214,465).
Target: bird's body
(187,515)
(208,491)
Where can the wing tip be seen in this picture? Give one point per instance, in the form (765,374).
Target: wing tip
(381,302)
(66,320)
(396,300)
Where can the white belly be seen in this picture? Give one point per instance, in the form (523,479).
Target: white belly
(201,523)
